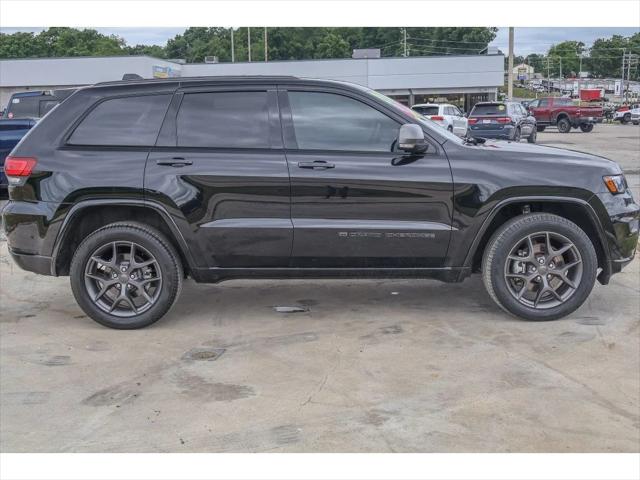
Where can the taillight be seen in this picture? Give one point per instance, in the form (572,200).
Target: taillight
(503,120)
(17,169)
(437,118)
(472,120)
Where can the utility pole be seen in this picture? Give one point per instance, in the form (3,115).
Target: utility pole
(510,72)
(249,42)
(548,76)
(265,44)
(624,56)
(233,52)
(404,31)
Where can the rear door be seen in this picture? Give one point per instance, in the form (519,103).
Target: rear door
(356,200)
(219,167)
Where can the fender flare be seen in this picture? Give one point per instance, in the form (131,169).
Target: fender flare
(561,114)
(585,205)
(77,208)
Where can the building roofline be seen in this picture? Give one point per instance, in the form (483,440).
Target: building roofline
(256,62)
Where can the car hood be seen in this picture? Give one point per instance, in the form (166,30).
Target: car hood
(546,155)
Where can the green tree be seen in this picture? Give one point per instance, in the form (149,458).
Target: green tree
(565,55)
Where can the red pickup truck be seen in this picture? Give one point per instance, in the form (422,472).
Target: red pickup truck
(564,113)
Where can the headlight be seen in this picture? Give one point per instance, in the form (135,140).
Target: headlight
(615,183)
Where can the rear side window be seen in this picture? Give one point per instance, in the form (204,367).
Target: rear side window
(490,109)
(128,121)
(224,120)
(426,110)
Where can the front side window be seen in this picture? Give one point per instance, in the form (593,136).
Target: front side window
(127,121)
(224,120)
(544,102)
(328,121)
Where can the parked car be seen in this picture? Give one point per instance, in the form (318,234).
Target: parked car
(445,115)
(34,104)
(502,120)
(635,115)
(624,114)
(565,114)
(129,187)
(11,131)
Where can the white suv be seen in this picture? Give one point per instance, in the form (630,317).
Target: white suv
(446,115)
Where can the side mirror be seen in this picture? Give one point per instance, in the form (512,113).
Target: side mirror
(411,139)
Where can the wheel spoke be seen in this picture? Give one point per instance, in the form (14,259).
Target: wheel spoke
(105,287)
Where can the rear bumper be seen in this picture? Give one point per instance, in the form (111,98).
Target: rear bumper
(32,263)
(505,132)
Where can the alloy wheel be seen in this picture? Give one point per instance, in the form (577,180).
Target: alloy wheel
(543,270)
(123,278)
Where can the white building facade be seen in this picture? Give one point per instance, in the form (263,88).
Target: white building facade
(467,78)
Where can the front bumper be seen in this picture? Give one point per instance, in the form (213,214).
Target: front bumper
(621,229)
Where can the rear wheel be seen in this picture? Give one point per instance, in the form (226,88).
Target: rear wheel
(126,275)
(539,266)
(564,125)
(626,118)
(532,137)
(586,127)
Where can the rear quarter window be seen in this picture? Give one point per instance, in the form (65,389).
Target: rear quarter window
(127,121)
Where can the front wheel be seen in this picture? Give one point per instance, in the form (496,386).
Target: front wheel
(126,275)
(539,266)
(586,127)
(517,134)
(626,118)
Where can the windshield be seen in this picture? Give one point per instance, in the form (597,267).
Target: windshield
(489,109)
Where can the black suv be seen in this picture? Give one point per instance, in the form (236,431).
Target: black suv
(129,187)
(502,120)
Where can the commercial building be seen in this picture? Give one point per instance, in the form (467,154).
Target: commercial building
(463,80)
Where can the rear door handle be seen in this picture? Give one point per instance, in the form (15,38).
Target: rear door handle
(316,165)
(174,162)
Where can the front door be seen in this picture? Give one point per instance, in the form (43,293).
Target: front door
(219,168)
(356,200)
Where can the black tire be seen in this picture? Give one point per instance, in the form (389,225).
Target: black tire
(564,125)
(500,246)
(540,128)
(517,135)
(586,127)
(626,118)
(147,240)
(450,128)
(532,137)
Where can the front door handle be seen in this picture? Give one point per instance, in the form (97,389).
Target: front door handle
(316,165)
(175,162)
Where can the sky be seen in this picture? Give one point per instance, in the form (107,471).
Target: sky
(527,39)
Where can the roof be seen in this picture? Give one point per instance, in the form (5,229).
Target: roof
(207,79)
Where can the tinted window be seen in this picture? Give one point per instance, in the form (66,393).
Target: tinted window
(224,120)
(490,109)
(326,121)
(426,110)
(23,107)
(130,121)
(544,102)
(563,102)
(534,104)
(47,105)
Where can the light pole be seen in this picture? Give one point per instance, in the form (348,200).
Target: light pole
(233,53)
(249,42)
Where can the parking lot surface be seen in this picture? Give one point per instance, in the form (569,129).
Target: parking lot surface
(367,365)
